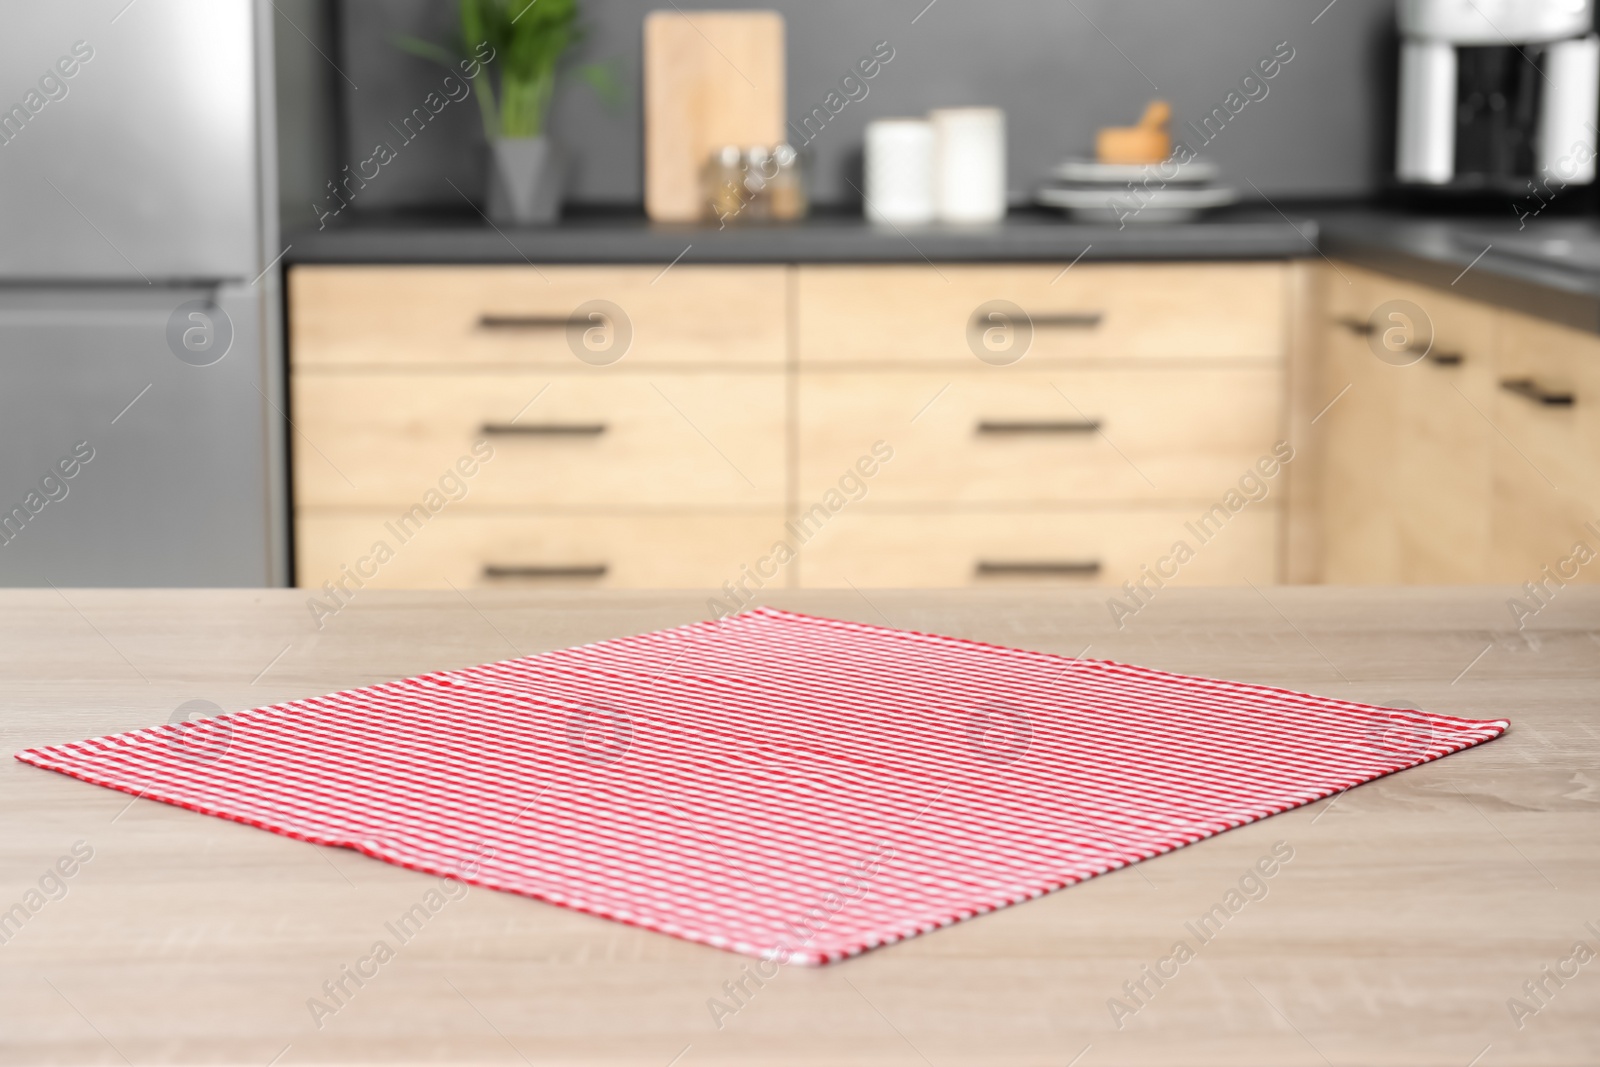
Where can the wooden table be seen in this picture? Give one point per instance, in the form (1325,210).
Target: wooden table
(1413,909)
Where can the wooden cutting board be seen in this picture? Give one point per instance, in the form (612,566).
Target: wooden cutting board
(711,78)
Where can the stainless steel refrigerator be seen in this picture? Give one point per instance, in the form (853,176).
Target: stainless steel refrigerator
(141,383)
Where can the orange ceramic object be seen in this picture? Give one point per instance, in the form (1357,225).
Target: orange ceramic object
(1147,142)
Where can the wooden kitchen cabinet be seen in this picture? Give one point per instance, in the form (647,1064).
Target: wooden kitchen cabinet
(1546,481)
(745,398)
(1134,398)
(1473,463)
(1008,435)
(1080,546)
(1444,446)
(1405,443)
(1356,419)
(579,439)
(860,315)
(601,550)
(608,426)
(460,316)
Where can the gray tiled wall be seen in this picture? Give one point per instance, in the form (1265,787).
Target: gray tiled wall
(1060,68)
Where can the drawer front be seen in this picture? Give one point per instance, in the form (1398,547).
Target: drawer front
(1547,469)
(623,551)
(1547,403)
(1166,433)
(1444,448)
(1406,445)
(1368,307)
(903,314)
(1358,412)
(509,316)
(575,440)
(1103,547)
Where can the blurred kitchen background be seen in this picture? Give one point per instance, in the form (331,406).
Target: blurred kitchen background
(268,297)
(1050,66)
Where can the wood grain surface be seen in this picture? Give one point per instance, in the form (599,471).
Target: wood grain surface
(388,317)
(856,317)
(711,78)
(1413,909)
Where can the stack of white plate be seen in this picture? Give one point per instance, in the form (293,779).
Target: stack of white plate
(1161,192)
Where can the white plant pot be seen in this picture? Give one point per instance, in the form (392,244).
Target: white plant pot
(524,180)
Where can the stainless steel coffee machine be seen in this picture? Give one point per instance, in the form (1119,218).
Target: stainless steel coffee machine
(1497,96)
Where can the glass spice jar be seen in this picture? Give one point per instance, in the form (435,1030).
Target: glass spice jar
(758,170)
(722,184)
(786,189)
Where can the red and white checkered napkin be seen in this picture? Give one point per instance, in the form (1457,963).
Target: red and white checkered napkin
(772,782)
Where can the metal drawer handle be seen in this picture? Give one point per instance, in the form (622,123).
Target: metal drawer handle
(1002,426)
(522,322)
(545,429)
(1532,390)
(1039,569)
(1079,320)
(592,571)
(1438,359)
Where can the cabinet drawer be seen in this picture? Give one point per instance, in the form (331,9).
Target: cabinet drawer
(1406,445)
(1357,413)
(1546,483)
(1088,547)
(1165,433)
(900,314)
(1547,402)
(348,316)
(624,551)
(571,439)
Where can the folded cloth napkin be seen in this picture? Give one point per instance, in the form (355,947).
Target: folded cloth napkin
(775,784)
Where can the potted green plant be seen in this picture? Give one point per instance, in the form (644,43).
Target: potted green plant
(522,43)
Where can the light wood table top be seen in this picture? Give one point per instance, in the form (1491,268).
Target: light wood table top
(1414,907)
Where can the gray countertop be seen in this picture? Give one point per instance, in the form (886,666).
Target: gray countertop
(618,237)
(1549,268)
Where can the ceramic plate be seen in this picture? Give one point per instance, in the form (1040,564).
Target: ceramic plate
(1164,205)
(1087,171)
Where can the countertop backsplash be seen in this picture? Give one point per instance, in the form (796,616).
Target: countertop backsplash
(1059,71)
